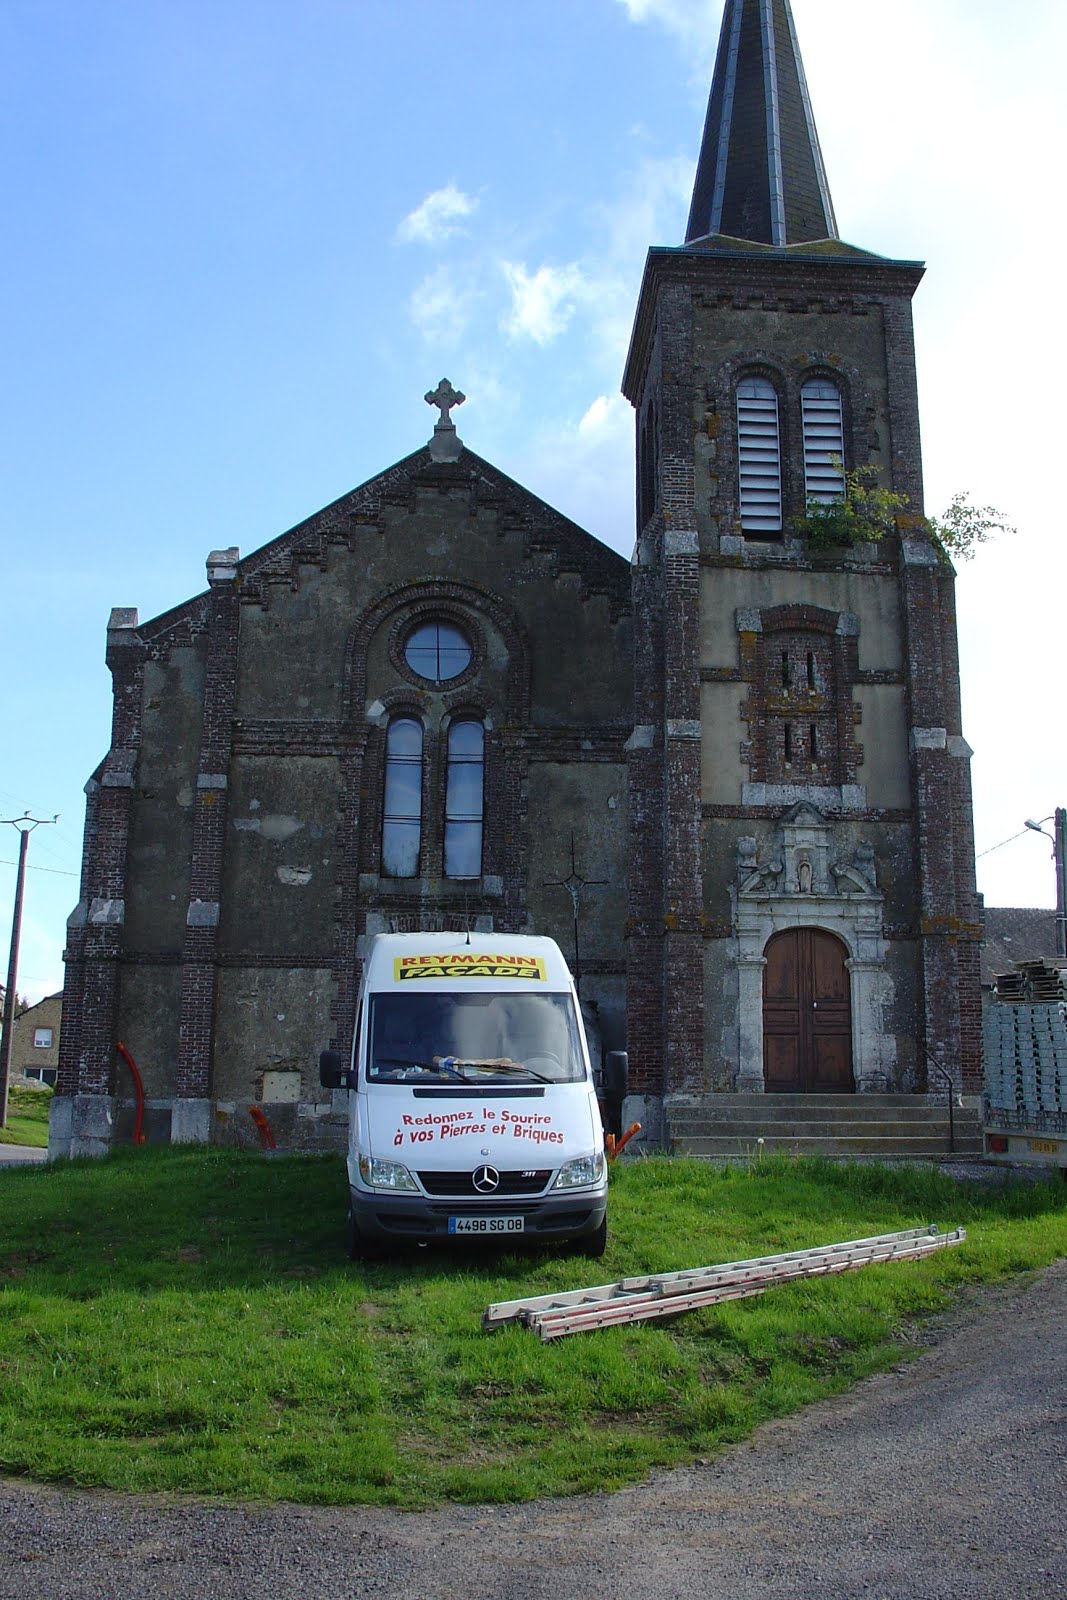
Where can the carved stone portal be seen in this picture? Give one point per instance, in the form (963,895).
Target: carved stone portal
(801,883)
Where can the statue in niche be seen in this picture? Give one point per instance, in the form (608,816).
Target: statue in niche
(804,875)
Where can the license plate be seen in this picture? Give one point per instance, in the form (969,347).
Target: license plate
(1043,1147)
(486,1224)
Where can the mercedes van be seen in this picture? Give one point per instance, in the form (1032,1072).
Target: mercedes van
(472,1107)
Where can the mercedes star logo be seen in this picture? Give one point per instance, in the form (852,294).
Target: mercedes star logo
(486,1179)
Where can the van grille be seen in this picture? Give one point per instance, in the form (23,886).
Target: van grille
(461,1183)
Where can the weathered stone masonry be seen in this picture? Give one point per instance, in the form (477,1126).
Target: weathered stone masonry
(233,839)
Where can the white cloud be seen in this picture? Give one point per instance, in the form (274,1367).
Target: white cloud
(585,468)
(651,209)
(694,22)
(438,217)
(542,302)
(440,309)
(606,419)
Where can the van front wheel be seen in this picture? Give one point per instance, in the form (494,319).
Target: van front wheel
(594,1244)
(359,1247)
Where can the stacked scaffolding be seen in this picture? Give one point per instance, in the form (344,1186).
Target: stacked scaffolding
(1026,1048)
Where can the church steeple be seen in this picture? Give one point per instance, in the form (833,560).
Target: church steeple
(760,175)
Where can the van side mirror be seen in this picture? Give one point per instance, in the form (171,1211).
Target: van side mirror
(616,1073)
(331,1073)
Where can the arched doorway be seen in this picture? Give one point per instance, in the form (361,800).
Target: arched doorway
(807,1014)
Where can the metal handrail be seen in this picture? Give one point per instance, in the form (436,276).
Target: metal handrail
(946,1074)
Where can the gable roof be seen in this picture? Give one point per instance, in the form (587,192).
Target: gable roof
(1015,933)
(552,539)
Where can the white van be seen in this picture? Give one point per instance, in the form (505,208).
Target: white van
(472,1106)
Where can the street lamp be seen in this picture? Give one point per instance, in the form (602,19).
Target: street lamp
(1059,856)
(25,825)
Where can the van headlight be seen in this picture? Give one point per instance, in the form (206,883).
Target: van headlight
(386,1175)
(581,1172)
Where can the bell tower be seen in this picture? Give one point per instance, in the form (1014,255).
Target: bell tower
(799,781)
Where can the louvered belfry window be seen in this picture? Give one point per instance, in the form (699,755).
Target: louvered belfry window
(822,424)
(759,458)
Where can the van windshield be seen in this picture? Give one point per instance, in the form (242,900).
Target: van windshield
(474,1038)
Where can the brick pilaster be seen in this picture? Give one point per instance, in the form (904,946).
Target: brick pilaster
(936,796)
(683,948)
(95,929)
(200,946)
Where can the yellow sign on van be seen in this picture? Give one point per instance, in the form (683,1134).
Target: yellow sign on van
(468,965)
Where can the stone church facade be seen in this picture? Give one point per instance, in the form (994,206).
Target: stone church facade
(729,777)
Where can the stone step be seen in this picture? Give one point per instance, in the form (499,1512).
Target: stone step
(798,1101)
(727,1147)
(887,1127)
(730,1113)
(708,1125)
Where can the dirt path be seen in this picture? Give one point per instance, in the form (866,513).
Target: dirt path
(943,1480)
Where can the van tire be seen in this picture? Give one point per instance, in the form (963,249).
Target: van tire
(359,1247)
(594,1244)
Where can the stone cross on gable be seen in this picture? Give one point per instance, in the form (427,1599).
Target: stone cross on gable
(446,444)
(445,397)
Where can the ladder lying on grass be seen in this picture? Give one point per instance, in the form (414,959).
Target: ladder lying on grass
(667,1294)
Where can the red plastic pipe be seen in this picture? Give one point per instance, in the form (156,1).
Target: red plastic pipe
(620,1144)
(266,1137)
(138,1121)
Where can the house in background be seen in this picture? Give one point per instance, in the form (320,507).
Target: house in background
(35,1042)
(1014,933)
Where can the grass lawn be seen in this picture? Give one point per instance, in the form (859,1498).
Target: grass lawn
(185,1319)
(27,1116)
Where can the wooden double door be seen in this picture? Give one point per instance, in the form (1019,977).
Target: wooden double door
(807,1014)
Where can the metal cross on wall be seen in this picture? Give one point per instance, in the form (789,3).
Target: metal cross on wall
(445,398)
(574,883)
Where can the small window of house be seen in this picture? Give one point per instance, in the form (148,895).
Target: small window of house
(437,651)
(759,459)
(45,1075)
(402,810)
(42,1038)
(464,800)
(822,424)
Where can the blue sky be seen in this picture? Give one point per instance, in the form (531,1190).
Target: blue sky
(245,238)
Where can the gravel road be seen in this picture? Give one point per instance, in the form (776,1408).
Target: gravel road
(945,1479)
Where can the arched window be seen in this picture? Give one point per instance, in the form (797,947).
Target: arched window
(759,458)
(402,811)
(464,800)
(823,428)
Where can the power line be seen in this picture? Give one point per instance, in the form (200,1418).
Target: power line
(999,846)
(62,872)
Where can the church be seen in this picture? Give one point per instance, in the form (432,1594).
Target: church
(728,776)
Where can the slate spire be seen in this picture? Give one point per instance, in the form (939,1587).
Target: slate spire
(760,175)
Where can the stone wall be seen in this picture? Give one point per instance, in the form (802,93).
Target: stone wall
(233,861)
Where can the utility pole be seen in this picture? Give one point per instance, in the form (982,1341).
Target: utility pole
(1059,851)
(1059,856)
(25,825)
